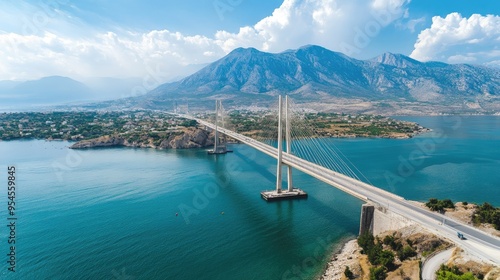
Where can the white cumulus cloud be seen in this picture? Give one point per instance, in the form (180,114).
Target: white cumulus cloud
(50,42)
(457,39)
(105,54)
(346,26)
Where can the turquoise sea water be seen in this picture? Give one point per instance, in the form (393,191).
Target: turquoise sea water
(111,213)
(459,159)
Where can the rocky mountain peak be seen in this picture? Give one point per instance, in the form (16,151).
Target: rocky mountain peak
(396,60)
(313,72)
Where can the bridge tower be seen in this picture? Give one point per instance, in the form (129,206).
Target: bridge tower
(219,146)
(280,147)
(291,192)
(288,140)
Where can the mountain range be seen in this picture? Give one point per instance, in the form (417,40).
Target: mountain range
(326,80)
(45,91)
(57,90)
(316,74)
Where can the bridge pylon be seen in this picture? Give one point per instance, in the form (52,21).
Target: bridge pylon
(219,144)
(290,192)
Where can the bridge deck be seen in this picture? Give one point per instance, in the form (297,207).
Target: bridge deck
(479,243)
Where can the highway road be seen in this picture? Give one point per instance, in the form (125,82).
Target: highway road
(432,264)
(477,243)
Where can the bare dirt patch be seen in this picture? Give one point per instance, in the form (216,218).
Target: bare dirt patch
(465,263)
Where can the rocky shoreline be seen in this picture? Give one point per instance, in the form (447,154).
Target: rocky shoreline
(188,139)
(348,256)
(422,241)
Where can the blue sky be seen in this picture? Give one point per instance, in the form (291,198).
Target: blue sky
(191,17)
(169,39)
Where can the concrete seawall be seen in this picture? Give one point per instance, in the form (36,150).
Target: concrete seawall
(367,218)
(377,219)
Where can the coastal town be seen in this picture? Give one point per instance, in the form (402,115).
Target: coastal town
(87,125)
(151,127)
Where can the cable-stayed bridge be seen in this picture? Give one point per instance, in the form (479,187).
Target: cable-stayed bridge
(478,243)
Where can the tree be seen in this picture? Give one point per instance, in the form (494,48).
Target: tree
(374,253)
(389,240)
(486,213)
(386,258)
(377,273)
(453,273)
(348,273)
(438,205)
(447,203)
(433,204)
(366,241)
(392,242)
(189,123)
(406,252)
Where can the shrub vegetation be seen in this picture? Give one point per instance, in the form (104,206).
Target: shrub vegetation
(439,205)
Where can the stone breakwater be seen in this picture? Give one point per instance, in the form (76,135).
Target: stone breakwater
(189,138)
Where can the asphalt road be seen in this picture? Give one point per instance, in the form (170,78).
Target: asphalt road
(432,265)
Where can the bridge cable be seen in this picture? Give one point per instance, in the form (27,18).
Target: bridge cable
(331,157)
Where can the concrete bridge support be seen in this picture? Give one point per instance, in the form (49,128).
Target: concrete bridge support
(377,219)
(367,218)
(290,192)
(219,147)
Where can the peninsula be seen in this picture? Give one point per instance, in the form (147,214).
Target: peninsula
(162,130)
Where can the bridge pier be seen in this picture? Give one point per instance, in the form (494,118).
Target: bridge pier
(377,219)
(367,218)
(290,192)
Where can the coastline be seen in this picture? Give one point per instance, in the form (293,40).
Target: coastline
(187,139)
(347,256)
(200,138)
(422,241)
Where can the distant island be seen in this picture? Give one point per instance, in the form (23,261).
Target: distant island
(162,130)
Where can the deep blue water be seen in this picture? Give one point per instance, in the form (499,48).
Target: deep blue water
(459,159)
(111,213)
